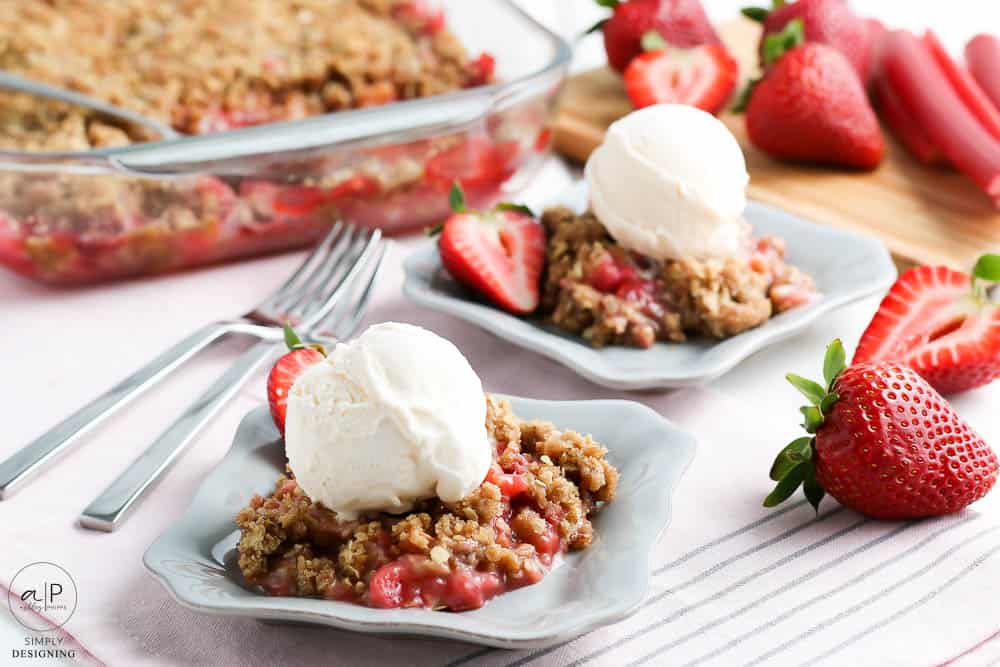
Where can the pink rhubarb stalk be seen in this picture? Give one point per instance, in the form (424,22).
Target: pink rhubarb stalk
(926,93)
(982,55)
(972,94)
(903,126)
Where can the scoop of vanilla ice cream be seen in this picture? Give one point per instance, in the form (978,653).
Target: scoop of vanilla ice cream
(669,181)
(392,417)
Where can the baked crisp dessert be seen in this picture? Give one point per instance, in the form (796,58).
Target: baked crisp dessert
(598,290)
(536,503)
(210,65)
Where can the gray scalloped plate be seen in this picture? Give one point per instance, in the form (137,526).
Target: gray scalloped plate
(195,558)
(846,267)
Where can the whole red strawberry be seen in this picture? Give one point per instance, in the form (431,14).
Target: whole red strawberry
(681,23)
(286,371)
(829,22)
(942,323)
(884,443)
(811,106)
(499,253)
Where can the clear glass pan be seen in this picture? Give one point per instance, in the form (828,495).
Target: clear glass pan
(74,218)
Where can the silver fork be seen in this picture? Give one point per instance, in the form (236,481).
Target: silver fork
(112,506)
(306,298)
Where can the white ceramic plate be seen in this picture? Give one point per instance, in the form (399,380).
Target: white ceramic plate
(195,558)
(845,266)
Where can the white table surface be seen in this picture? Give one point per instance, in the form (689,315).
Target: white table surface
(61,347)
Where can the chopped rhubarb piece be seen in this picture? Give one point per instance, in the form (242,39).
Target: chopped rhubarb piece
(475,162)
(926,93)
(483,69)
(903,126)
(982,55)
(876,43)
(972,94)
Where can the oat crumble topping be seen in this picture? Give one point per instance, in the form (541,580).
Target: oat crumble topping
(657,301)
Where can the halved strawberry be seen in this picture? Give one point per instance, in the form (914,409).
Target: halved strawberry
(286,371)
(937,321)
(703,76)
(499,253)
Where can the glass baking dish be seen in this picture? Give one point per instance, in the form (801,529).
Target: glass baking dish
(76,218)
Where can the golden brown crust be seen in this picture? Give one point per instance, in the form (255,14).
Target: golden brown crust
(191,63)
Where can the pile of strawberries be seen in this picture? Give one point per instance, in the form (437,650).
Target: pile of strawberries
(881,439)
(823,66)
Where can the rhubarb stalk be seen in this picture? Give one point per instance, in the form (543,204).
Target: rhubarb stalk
(968,89)
(926,93)
(982,54)
(903,126)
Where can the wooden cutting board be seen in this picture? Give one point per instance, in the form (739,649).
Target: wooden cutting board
(923,214)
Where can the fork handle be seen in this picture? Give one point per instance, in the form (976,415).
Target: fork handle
(29,460)
(109,509)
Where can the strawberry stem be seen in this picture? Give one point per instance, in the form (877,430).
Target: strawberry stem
(515,208)
(834,362)
(987,270)
(758,14)
(292,340)
(597,27)
(743,101)
(780,43)
(794,465)
(653,41)
(456,198)
(814,391)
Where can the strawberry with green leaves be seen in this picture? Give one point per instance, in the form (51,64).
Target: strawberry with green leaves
(680,23)
(829,22)
(286,371)
(882,442)
(498,253)
(942,323)
(810,105)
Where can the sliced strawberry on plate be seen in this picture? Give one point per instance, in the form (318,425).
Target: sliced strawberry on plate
(942,324)
(499,253)
(703,76)
(286,371)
